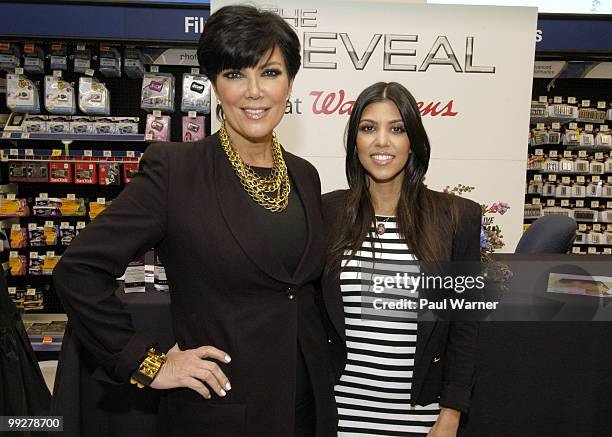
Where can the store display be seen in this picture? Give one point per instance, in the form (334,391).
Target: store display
(196,93)
(19,237)
(157,92)
(193,129)
(59,96)
(58,124)
(22,94)
(129,171)
(94,98)
(85,173)
(158,127)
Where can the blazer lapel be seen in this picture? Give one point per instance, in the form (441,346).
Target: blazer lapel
(236,210)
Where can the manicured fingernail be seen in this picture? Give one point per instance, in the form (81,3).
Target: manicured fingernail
(207,397)
(227,359)
(223,392)
(228,386)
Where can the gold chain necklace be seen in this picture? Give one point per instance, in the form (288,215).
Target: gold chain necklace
(258,187)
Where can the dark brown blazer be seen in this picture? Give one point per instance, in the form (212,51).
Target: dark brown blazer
(444,368)
(228,289)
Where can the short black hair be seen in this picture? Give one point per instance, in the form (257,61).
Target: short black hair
(237,36)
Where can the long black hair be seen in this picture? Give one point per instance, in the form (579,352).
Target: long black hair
(422,215)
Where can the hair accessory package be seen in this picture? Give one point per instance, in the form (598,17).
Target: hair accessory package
(59,96)
(196,93)
(94,98)
(158,128)
(157,92)
(193,129)
(22,94)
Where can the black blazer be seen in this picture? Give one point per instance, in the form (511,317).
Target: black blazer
(228,289)
(445,361)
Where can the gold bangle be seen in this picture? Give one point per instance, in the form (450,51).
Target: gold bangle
(148,369)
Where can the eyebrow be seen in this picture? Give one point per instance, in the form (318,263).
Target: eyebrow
(269,64)
(397,120)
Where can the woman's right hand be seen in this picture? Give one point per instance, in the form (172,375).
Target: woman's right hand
(192,369)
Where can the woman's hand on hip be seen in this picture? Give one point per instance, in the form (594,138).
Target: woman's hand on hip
(194,369)
(447,423)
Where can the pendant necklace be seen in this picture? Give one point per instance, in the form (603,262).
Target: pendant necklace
(380,226)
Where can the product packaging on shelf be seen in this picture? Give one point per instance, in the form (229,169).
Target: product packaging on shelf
(33,59)
(82,125)
(158,128)
(59,57)
(161,281)
(133,63)
(126,125)
(9,56)
(59,124)
(110,61)
(60,172)
(22,94)
(157,92)
(85,173)
(59,96)
(129,171)
(108,173)
(82,60)
(94,97)
(193,129)
(134,276)
(35,124)
(105,126)
(67,233)
(196,93)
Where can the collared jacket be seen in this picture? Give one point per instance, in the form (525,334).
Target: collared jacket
(446,352)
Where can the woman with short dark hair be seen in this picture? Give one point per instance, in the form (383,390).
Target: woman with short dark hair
(396,376)
(236,221)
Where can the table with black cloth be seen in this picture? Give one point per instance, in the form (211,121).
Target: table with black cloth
(534,378)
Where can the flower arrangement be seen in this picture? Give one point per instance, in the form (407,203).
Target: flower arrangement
(491,237)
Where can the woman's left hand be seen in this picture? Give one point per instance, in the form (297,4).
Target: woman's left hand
(446,425)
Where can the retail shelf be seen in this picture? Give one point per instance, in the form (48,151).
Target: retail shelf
(17,136)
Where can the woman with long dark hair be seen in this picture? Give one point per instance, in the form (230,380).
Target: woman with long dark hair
(396,376)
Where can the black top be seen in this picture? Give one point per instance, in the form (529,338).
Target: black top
(285,231)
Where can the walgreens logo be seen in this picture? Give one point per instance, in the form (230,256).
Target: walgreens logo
(332,102)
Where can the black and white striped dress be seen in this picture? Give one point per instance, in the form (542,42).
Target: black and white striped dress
(373,395)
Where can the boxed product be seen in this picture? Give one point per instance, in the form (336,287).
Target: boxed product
(193,129)
(9,56)
(59,96)
(126,125)
(35,124)
(33,59)
(60,172)
(58,124)
(134,277)
(161,281)
(94,98)
(85,173)
(67,233)
(73,207)
(59,57)
(158,128)
(47,207)
(19,237)
(196,93)
(129,171)
(17,264)
(96,208)
(108,173)
(22,94)
(110,61)
(82,125)
(37,171)
(36,263)
(36,235)
(82,60)
(157,92)
(14,207)
(18,171)
(105,126)
(134,65)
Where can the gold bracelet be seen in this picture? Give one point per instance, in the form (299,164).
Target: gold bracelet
(148,369)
